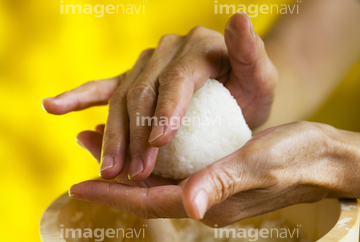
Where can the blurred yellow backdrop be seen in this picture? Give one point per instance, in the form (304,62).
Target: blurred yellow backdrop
(43,53)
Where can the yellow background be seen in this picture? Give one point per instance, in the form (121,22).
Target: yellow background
(43,53)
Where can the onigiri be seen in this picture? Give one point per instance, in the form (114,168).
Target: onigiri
(212,128)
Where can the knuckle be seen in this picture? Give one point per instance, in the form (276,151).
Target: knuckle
(223,183)
(141,91)
(257,149)
(173,78)
(172,74)
(248,57)
(92,87)
(109,137)
(169,38)
(248,52)
(89,86)
(315,131)
(272,151)
(197,30)
(182,73)
(140,88)
(146,53)
(147,212)
(200,33)
(303,125)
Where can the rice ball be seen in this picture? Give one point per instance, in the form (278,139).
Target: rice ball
(212,128)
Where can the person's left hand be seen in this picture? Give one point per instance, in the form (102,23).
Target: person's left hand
(281,166)
(161,85)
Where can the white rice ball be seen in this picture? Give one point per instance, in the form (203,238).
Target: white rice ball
(212,128)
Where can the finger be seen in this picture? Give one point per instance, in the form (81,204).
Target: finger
(155,181)
(123,176)
(177,83)
(115,142)
(90,141)
(253,76)
(87,95)
(100,129)
(141,102)
(215,183)
(151,181)
(156,202)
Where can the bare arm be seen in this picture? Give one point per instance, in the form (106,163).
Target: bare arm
(312,52)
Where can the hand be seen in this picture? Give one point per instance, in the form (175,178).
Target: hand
(294,163)
(162,83)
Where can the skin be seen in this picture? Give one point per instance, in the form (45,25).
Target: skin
(312,51)
(293,163)
(161,84)
(302,162)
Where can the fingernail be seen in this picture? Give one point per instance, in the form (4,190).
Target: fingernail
(136,166)
(251,27)
(75,196)
(79,143)
(201,201)
(156,132)
(46,99)
(228,22)
(106,163)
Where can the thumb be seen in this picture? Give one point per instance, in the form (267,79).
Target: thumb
(214,184)
(253,76)
(244,45)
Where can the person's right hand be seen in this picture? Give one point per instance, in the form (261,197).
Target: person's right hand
(162,83)
(293,163)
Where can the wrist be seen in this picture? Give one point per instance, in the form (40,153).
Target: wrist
(338,169)
(347,159)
